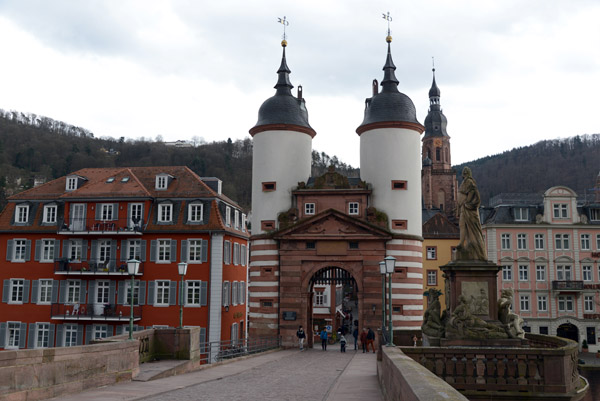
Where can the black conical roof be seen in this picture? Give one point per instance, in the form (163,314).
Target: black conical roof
(435,122)
(434,91)
(283,107)
(390,105)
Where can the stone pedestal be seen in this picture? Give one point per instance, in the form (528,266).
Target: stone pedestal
(476,281)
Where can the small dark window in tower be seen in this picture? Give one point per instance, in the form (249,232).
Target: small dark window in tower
(437,154)
(269,186)
(310,245)
(399,224)
(397,309)
(266,303)
(398,184)
(267,225)
(353,244)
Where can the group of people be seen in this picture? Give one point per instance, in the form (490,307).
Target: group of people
(367,338)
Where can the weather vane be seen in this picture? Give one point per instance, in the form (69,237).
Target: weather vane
(285,23)
(388,18)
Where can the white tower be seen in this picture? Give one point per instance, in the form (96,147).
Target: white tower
(390,153)
(282,152)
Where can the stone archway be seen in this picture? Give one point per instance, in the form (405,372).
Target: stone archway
(568,330)
(332,291)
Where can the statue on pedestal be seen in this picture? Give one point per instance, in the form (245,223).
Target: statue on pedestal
(432,319)
(513,323)
(471,245)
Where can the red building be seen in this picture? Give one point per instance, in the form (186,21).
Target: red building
(66,245)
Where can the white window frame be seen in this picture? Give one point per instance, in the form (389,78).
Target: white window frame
(102,292)
(136,292)
(561,210)
(162,182)
(100,331)
(195,212)
(431,277)
(542,303)
(19,250)
(243,222)
(507,273)
(565,303)
(107,212)
(524,303)
(521,214)
(243,255)
(539,241)
(562,242)
(564,272)
(587,273)
(104,250)
(540,273)
(48,251)
(598,242)
(194,250)
(73,292)
(45,291)
(522,242)
(595,214)
(588,303)
(42,335)
(353,208)
(71,184)
(50,213)
(13,335)
(431,253)
(163,250)
(234,293)
(134,249)
(319,298)
(70,335)
(585,242)
(236,219)
(309,208)
(505,241)
(165,213)
(193,292)
(21,214)
(226,296)
(162,293)
(523,272)
(75,250)
(226,252)
(16,291)
(228,216)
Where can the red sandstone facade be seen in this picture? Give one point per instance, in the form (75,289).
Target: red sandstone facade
(66,245)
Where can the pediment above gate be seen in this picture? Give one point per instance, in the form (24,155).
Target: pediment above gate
(332,224)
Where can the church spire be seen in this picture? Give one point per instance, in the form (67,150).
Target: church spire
(284,86)
(434,94)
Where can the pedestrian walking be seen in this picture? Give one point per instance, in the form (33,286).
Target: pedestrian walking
(363,340)
(355,335)
(342,343)
(301,336)
(371,339)
(324,339)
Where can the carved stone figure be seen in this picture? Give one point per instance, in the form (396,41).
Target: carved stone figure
(512,323)
(471,245)
(464,325)
(432,320)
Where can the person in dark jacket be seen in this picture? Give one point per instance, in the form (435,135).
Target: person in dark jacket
(355,335)
(324,339)
(363,340)
(301,336)
(371,340)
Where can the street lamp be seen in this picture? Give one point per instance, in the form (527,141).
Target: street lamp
(133,266)
(382,271)
(182,270)
(390,264)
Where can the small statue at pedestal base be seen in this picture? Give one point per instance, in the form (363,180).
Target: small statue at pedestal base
(512,323)
(464,325)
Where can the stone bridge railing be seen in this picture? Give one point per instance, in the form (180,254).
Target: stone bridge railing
(547,366)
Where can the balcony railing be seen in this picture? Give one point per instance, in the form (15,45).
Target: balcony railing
(95,226)
(93,267)
(567,285)
(109,312)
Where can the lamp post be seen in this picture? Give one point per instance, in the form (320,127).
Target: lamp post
(390,263)
(382,271)
(133,266)
(182,266)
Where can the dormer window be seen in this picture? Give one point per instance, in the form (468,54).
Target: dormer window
(243,222)
(228,216)
(309,208)
(162,181)
(236,219)
(22,214)
(353,208)
(165,213)
(560,211)
(195,212)
(521,214)
(49,214)
(71,183)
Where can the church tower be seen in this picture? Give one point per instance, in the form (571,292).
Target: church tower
(438,177)
(282,151)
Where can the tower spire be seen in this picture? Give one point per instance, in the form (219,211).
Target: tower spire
(283,86)
(390,82)
(434,92)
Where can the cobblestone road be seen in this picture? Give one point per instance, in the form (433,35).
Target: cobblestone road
(305,376)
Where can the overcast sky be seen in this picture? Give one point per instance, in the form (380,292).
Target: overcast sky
(511,72)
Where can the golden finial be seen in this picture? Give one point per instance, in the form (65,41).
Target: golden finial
(388,18)
(283,21)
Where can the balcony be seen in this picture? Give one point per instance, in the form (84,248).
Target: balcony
(92,226)
(95,312)
(567,285)
(93,267)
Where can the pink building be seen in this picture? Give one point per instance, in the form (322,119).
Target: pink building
(549,249)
